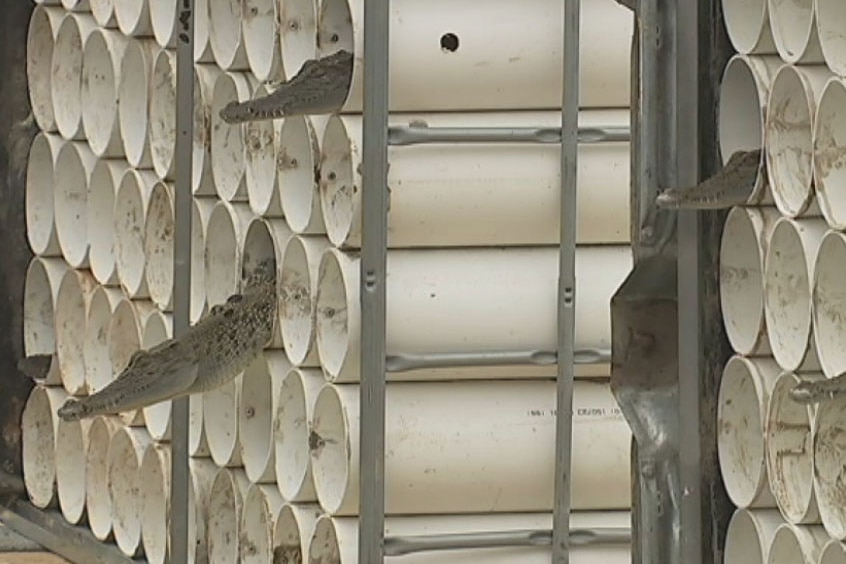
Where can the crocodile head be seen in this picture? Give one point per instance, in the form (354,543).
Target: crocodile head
(74,410)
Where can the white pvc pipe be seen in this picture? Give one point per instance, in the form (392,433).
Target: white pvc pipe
(98,499)
(158,327)
(833,552)
(134,92)
(76,5)
(829,304)
(297,33)
(71,448)
(202,45)
(227,140)
(743,247)
(41,291)
(293,530)
(226,499)
(158,246)
(505,194)
(102,190)
(266,238)
(198,445)
(741,418)
(791,256)
(201,212)
(154,488)
(749,535)
(258,519)
(225,235)
(202,180)
(829,137)
(256,415)
(66,73)
(71,312)
(742,111)
(449,62)
(261,163)
(748,26)
(797,545)
(103,12)
(225,35)
(829,459)
(220,421)
(789,137)
(41,38)
(298,173)
(260,31)
(38,439)
(428,289)
(40,176)
(794,27)
(203,473)
(95,347)
(74,166)
(133,17)
(503,462)
(130,214)
(292,425)
(830,19)
(335,540)
(164,20)
(126,452)
(125,333)
(101,67)
(790,453)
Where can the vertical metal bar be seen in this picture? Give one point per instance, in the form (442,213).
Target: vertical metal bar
(374,244)
(182,272)
(566,281)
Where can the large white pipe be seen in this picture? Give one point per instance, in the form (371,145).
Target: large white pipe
(833,552)
(257,414)
(126,452)
(789,137)
(428,289)
(101,67)
(261,164)
(478,195)
(226,500)
(40,40)
(742,111)
(74,166)
(103,12)
(154,488)
(741,418)
(830,20)
(203,182)
(220,421)
(293,531)
(748,26)
(158,327)
(134,92)
(298,173)
(202,45)
(260,32)
(102,190)
(829,304)
(743,247)
(829,137)
(133,17)
(225,35)
(41,291)
(790,453)
(791,256)
(71,312)
(794,27)
(76,5)
(225,235)
(297,298)
(158,246)
(829,460)
(266,238)
(39,196)
(335,540)
(165,22)
(292,425)
(198,445)
(98,498)
(297,33)
(749,535)
(129,216)
(442,59)
(38,439)
(258,519)
(795,545)
(95,341)
(504,462)
(203,473)
(66,73)
(125,333)
(227,140)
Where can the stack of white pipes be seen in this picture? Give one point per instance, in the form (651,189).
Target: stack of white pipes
(781,280)
(472,267)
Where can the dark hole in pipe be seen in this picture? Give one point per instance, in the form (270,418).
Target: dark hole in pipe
(449,42)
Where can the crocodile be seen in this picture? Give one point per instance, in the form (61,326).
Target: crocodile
(320,87)
(816,391)
(731,186)
(208,355)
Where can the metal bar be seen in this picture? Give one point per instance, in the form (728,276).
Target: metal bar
(50,530)
(180,474)
(419,135)
(401,546)
(566,282)
(408,362)
(374,244)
